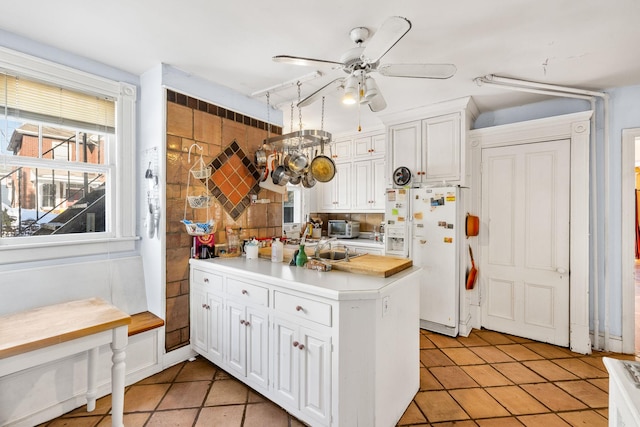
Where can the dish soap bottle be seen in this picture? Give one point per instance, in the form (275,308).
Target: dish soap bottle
(277,250)
(301,259)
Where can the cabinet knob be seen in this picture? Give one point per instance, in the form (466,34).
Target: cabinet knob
(206,280)
(298,308)
(296,343)
(301,346)
(244,292)
(204,305)
(246,323)
(242,322)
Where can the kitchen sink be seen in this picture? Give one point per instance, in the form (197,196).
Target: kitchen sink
(337,255)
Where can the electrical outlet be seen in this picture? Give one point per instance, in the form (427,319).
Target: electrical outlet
(385,306)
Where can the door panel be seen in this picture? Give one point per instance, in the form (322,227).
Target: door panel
(525,193)
(236,336)
(285,364)
(257,347)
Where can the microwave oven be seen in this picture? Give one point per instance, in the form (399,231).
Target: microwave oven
(343,229)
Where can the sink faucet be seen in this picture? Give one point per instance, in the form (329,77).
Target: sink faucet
(321,244)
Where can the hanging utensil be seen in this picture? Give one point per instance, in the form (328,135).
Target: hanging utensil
(322,167)
(472,274)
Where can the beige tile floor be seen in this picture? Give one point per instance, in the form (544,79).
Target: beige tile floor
(488,379)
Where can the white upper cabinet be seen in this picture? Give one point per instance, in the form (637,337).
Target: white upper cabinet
(431,142)
(406,149)
(340,150)
(360,178)
(368,146)
(441,146)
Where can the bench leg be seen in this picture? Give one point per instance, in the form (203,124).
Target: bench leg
(92,374)
(118,346)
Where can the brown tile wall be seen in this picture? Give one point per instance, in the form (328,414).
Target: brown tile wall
(190,120)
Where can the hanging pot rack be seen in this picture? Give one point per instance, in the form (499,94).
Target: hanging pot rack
(306,138)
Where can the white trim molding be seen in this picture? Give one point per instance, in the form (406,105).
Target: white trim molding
(575,127)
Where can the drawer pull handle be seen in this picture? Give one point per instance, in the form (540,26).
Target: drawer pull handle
(299,308)
(206,280)
(301,346)
(244,292)
(296,343)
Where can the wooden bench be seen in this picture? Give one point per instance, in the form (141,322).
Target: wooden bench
(143,322)
(41,335)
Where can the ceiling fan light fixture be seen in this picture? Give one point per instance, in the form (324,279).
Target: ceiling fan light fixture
(351,94)
(370,89)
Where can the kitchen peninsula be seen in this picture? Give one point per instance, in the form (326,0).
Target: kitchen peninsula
(332,348)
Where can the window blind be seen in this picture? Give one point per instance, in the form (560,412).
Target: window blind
(27,99)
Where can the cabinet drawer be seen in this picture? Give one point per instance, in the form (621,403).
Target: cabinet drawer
(210,280)
(303,308)
(248,292)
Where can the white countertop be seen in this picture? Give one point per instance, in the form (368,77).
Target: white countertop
(333,284)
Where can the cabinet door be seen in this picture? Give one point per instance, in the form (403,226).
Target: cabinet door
(342,186)
(256,324)
(362,185)
(405,148)
(379,183)
(441,146)
(236,337)
(378,144)
(315,374)
(325,196)
(362,147)
(341,150)
(214,327)
(286,378)
(199,322)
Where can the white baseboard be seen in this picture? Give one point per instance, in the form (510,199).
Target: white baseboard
(176,356)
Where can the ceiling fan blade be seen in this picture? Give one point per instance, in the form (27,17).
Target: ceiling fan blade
(423,71)
(307,62)
(377,103)
(332,85)
(389,33)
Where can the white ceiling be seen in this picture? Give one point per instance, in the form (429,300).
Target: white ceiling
(591,44)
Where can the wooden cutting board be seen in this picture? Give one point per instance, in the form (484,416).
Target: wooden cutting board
(374,265)
(371,265)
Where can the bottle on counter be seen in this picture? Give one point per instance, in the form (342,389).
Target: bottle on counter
(277,250)
(301,258)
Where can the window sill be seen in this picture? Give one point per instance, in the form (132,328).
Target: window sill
(31,252)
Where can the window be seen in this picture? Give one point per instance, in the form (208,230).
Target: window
(63,159)
(292,206)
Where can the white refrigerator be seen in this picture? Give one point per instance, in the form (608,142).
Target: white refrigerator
(432,219)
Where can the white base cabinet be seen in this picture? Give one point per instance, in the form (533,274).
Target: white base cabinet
(331,348)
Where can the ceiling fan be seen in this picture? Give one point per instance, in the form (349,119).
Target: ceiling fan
(359,61)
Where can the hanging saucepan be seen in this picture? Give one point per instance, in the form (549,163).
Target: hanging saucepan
(308,180)
(294,179)
(472,226)
(297,162)
(280,175)
(261,158)
(322,167)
